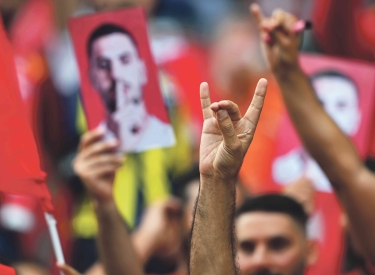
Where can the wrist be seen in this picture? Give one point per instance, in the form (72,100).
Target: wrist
(218,180)
(101,205)
(287,73)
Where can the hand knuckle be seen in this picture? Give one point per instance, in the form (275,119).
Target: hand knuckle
(99,147)
(86,137)
(76,165)
(81,172)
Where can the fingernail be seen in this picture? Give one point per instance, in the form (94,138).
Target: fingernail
(299,26)
(221,114)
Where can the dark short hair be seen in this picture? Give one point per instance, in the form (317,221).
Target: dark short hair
(107,29)
(334,73)
(275,203)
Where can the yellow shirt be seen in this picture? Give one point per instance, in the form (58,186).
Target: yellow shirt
(144,175)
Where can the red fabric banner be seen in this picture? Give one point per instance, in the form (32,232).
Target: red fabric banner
(20,171)
(6,270)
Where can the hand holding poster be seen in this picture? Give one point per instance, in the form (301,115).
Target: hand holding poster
(120,89)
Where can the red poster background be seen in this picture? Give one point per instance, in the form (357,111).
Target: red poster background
(134,21)
(363,75)
(326,204)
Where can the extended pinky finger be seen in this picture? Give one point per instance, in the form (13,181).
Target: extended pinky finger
(256,106)
(205,101)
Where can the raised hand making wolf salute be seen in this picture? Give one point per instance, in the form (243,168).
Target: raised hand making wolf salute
(226,134)
(327,144)
(225,139)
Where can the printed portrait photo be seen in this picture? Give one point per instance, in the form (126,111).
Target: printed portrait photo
(120,88)
(345,89)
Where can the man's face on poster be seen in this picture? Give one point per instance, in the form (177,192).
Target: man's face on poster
(116,70)
(339,97)
(118,74)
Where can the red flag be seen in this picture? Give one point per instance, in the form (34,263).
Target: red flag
(19,160)
(6,270)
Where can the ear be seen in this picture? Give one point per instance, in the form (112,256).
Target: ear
(143,72)
(312,252)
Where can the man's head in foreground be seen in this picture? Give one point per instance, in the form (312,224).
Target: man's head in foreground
(272,238)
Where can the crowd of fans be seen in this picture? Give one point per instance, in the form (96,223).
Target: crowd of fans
(203,206)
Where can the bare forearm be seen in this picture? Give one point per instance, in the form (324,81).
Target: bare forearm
(326,143)
(359,204)
(213,229)
(115,248)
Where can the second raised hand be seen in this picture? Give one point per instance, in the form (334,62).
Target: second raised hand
(227,135)
(279,39)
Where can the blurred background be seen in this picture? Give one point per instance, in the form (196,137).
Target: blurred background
(192,41)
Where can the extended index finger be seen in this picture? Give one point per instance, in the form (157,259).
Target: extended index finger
(205,101)
(257,12)
(255,108)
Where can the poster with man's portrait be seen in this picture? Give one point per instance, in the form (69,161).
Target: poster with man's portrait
(345,89)
(119,79)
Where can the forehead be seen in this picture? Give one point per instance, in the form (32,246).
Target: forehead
(335,87)
(113,44)
(265,225)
